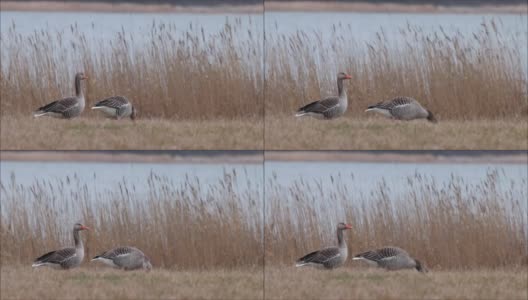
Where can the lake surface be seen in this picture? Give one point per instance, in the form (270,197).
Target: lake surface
(365,178)
(207,182)
(108,176)
(361,178)
(361,27)
(105,26)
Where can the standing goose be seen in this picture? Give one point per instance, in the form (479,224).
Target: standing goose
(402,108)
(127,258)
(66,108)
(331,257)
(328,108)
(391,258)
(116,107)
(65,258)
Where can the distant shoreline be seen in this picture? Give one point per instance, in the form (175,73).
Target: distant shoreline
(56,6)
(398,157)
(254,157)
(272,6)
(127,157)
(392,8)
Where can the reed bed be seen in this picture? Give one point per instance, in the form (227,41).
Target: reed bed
(176,73)
(451,226)
(183,73)
(182,226)
(189,226)
(456,76)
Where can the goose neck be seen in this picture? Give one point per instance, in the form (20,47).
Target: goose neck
(77,239)
(340,239)
(78,88)
(340,89)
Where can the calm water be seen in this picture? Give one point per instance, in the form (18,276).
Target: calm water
(365,178)
(365,25)
(107,176)
(362,27)
(362,178)
(106,26)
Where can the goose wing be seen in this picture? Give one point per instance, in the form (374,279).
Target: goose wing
(56,257)
(395,103)
(320,256)
(113,102)
(381,254)
(116,252)
(59,106)
(321,106)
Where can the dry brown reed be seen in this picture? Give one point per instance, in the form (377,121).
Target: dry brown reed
(194,226)
(448,226)
(458,77)
(184,226)
(172,73)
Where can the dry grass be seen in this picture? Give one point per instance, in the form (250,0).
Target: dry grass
(21,282)
(351,283)
(447,226)
(26,133)
(184,226)
(481,76)
(289,133)
(175,72)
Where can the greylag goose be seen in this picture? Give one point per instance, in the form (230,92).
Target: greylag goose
(328,108)
(116,107)
(390,258)
(65,258)
(402,108)
(331,257)
(66,108)
(127,258)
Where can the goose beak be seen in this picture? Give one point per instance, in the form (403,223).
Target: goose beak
(348,77)
(348,226)
(85,228)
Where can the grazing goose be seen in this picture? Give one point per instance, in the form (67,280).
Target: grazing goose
(328,108)
(331,257)
(116,107)
(402,108)
(66,108)
(127,258)
(65,258)
(391,258)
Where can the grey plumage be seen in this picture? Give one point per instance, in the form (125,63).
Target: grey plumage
(66,108)
(403,108)
(65,258)
(390,258)
(127,258)
(116,107)
(328,258)
(328,108)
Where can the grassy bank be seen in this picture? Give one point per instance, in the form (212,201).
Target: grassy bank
(281,283)
(26,133)
(458,77)
(348,283)
(448,226)
(289,133)
(21,282)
